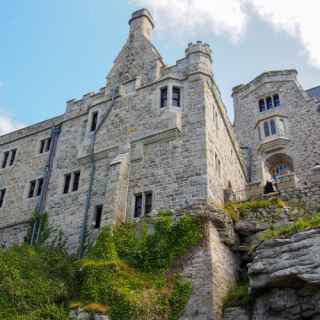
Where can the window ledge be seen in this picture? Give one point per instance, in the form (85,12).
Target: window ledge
(274,142)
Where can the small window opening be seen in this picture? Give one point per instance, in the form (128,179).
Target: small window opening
(98,216)
(273,127)
(48,144)
(262,105)
(32,188)
(5,159)
(276,100)
(269,103)
(266,129)
(40,185)
(138,206)
(164,97)
(13,156)
(148,202)
(2,196)
(94,121)
(67,181)
(76,181)
(176,97)
(42,146)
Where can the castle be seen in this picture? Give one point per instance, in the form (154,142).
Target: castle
(155,136)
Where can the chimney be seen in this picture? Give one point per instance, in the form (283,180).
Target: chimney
(141,23)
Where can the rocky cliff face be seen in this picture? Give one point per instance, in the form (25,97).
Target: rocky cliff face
(284,280)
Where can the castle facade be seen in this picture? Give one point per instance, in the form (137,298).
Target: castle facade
(155,136)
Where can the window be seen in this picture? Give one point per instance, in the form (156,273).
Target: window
(148,202)
(45,145)
(269,103)
(163,97)
(71,180)
(67,180)
(176,97)
(40,185)
(98,216)
(273,127)
(35,188)
(2,195)
(76,180)
(262,105)
(282,128)
(9,158)
(94,121)
(276,100)
(266,129)
(138,206)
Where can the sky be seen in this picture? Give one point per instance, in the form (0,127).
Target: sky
(57,50)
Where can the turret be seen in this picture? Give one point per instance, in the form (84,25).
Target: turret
(141,23)
(199,57)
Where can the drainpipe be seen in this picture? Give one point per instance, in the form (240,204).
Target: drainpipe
(249,166)
(84,227)
(36,229)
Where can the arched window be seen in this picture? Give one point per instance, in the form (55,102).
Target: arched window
(266,129)
(276,100)
(273,127)
(269,103)
(262,105)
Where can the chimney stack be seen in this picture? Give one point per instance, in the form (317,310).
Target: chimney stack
(141,23)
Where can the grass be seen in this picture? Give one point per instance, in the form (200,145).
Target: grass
(302,224)
(238,296)
(238,210)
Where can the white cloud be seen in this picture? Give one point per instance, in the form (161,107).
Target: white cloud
(298,18)
(194,16)
(7,124)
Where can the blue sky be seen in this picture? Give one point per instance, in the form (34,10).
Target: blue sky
(53,51)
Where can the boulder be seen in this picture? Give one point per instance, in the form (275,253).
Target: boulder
(287,263)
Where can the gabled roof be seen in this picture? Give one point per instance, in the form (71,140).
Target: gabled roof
(314,92)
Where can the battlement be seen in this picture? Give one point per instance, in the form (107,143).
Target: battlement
(199,47)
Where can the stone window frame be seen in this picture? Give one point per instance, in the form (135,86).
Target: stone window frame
(98,215)
(263,102)
(74,175)
(281,130)
(143,210)
(3,193)
(44,145)
(35,188)
(170,85)
(9,158)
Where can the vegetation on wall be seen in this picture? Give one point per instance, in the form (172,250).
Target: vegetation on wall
(238,210)
(302,224)
(238,296)
(126,274)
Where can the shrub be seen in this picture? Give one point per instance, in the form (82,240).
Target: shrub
(238,296)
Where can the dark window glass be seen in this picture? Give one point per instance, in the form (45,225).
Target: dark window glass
(5,159)
(176,97)
(266,129)
(76,181)
(276,100)
(262,105)
(40,185)
(164,97)
(42,146)
(98,217)
(32,188)
(48,144)
(138,206)
(13,156)
(2,195)
(148,204)
(67,180)
(94,121)
(269,103)
(273,127)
